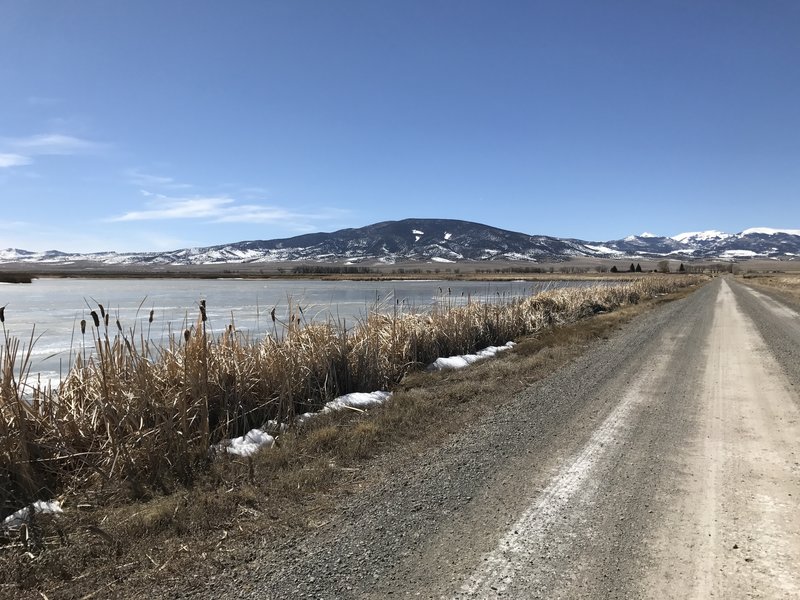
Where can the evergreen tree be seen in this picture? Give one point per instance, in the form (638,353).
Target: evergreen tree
(614,269)
(632,268)
(638,268)
(682,269)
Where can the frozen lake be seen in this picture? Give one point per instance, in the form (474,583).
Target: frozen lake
(55,307)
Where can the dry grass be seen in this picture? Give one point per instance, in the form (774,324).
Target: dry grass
(133,419)
(280,490)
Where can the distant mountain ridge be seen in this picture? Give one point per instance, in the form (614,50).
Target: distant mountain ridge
(448,240)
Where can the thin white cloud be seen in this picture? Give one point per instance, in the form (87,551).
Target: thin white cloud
(137,177)
(52,144)
(213,209)
(163,208)
(250,213)
(15,225)
(13,160)
(43,101)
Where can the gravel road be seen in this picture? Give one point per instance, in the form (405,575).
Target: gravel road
(664,463)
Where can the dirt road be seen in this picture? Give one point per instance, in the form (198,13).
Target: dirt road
(664,463)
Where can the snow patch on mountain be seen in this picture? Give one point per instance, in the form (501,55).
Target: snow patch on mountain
(739,254)
(701,236)
(603,249)
(770,231)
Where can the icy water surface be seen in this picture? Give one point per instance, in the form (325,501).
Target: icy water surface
(53,308)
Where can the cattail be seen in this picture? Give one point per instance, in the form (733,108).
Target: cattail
(83,326)
(2,314)
(119,326)
(102,310)
(186,335)
(95,318)
(152,313)
(203,316)
(105,320)
(272,314)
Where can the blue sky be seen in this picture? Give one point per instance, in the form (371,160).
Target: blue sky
(162,124)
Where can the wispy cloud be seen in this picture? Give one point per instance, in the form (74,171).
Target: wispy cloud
(13,160)
(43,101)
(214,209)
(52,144)
(137,177)
(162,208)
(19,152)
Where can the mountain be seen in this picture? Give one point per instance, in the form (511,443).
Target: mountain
(448,240)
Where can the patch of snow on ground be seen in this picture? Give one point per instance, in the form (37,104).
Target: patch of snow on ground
(248,444)
(256,439)
(447,236)
(417,232)
(23,515)
(356,401)
(464,360)
(647,234)
(441,260)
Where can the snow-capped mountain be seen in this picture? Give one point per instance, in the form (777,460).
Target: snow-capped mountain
(699,237)
(447,240)
(758,242)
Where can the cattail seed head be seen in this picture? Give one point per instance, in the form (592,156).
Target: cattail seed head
(186,335)
(95,318)
(203,316)
(152,313)
(272,314)
(83,326)
(2,314)
(105,319)
(102,310)
(119,326)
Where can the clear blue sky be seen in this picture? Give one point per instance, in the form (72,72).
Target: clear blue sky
(160,124)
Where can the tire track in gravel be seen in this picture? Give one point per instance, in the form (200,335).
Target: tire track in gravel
(734,527)
(573,488)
